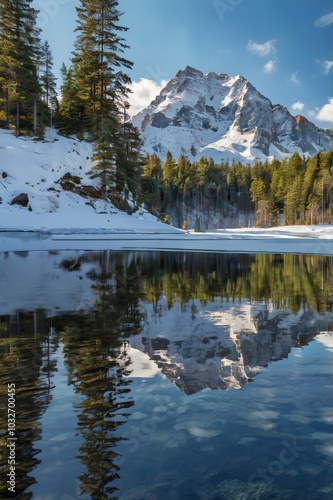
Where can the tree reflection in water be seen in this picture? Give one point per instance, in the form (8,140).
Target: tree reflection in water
(26,352)
(98,367)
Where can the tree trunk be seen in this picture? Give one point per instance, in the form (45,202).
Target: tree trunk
(17,132)
(35,114)
(7,104)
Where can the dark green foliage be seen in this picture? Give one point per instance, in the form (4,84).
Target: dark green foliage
(187,186)
(94,93)
(27,84)
(69,118)
(105,165)
(129,159)
(48,82)
(19,83)
(299,189)
(294,191)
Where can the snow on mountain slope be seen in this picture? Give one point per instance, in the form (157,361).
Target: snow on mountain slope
(31,170)
(225,118)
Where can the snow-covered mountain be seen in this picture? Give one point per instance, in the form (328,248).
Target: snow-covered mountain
(226,118)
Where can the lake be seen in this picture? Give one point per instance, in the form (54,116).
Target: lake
(157,375)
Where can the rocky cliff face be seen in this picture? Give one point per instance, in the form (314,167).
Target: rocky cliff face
(226,118)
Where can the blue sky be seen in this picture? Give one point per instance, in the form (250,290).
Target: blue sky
(284,47)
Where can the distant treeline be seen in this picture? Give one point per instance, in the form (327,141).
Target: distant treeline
(297,190)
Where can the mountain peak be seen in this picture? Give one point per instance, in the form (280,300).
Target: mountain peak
(300,119)
(226,118)
(190,71)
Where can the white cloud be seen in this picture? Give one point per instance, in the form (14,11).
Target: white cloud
(262,49)
(325,114)
(269,67)
(143,93)
(297,106)
(324,21)
(294,78)
(328,65)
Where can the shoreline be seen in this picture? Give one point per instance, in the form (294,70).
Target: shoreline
(314,240)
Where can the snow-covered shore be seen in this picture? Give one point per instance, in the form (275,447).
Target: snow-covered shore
(60,219)
(150,237)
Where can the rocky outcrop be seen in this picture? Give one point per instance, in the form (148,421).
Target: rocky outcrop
(70,182)
(21,199)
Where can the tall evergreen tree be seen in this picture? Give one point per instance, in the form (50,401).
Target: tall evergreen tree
(69,116)
(129,159)
(104,166)
(169,171)
(101,91)
(19,38)
(48,80)
(98,60)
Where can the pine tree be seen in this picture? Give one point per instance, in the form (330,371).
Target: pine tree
(183,167)
(152,191)
(105,166)
(97,61)
(310,196)
(101,91)
(293,212)
(129,159)
(152,168)
(169,171)
(257,191)
(19,40)
(68,119)
(48,80)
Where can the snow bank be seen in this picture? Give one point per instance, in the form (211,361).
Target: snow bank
(35,168)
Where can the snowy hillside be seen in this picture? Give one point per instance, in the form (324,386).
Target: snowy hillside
(47,184)
(225,118)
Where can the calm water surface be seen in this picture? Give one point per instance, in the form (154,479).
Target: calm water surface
(157,376)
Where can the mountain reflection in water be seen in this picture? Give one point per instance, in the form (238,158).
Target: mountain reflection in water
(103,320)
